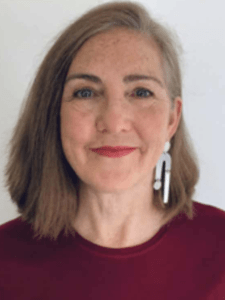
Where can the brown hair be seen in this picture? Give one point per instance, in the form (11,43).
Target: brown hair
(38,176)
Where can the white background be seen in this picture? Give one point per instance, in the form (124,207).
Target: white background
(28,28)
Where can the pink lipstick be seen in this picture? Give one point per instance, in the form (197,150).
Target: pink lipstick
(113,152)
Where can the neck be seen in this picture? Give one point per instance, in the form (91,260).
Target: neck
(117,220)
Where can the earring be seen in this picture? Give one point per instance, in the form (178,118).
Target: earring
(165,157)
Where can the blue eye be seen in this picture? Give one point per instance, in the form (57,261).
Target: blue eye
(143,93)
(83,93)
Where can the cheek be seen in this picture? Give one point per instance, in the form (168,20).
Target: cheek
(74,127)
(153,133)
(153,124)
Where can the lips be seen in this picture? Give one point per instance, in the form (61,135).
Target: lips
(116,148)
(113,152)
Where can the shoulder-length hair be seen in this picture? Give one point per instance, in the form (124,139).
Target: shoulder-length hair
(38,176)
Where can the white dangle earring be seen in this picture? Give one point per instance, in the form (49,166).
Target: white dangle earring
(165,157)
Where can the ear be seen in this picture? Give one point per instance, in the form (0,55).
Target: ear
(175,116)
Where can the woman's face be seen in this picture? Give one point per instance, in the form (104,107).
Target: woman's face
(115,95)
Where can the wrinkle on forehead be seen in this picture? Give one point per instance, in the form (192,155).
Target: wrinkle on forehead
(115,43)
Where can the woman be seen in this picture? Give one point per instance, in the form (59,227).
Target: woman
(103,174)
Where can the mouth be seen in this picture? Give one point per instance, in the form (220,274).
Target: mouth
(114,148)
(113,152)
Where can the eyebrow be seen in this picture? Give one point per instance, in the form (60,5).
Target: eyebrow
(126,79)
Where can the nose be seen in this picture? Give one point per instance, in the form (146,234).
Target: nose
(114,116)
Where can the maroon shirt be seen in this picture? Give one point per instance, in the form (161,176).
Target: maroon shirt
(184,260)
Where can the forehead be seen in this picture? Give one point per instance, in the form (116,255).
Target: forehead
(120,49)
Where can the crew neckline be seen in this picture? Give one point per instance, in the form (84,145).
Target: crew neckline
(121,252)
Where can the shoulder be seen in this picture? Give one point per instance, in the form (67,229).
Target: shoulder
(207,225)
(12,228)
(10,224)
(18,239)
(13,234)
(19,244)
(209,214)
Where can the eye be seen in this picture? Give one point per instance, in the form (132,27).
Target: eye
(83,93)
(142,93)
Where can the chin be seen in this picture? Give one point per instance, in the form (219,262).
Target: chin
(113,184)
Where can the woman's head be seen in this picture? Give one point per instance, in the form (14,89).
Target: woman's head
(40,179)
(115,95)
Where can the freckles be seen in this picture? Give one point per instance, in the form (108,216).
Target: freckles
(151,123)
(70,122)
(82,127)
